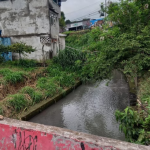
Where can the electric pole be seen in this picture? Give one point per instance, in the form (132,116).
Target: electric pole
(105,7)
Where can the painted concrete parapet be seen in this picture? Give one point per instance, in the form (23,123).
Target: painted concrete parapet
(19,135)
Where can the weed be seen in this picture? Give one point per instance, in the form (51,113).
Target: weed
(1,110)
(65,80)
(48,85)
(36,96)
(14,77)
(5,71)
(10,76)
(17,102)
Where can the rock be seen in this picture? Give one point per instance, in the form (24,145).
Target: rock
(1,117)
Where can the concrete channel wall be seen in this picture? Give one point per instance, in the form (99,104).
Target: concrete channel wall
(19,135)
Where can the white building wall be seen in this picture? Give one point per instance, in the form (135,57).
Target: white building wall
(27,20)
(21,17)
(35,42)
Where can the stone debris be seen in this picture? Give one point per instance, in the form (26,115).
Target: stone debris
(1,117)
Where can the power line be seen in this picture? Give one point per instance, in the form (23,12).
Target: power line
(83,8)
(92,13)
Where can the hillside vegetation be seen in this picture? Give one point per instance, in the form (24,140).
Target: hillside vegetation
(93,56)
(126,47)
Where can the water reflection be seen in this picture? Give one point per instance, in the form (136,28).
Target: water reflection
(90,108)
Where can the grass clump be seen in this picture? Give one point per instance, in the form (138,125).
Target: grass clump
(65,80)
(1,110)
(36,96)
(17,102)
(14,77)
(50,88)
(10,76)
(5,71)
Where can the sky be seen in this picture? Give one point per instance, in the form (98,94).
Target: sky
(79,9)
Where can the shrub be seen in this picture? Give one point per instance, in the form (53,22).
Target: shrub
(21,48)
(135,125)
(54,70)
(68,57)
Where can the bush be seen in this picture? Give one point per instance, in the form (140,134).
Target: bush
(21,48)
(68,57)
(135,125)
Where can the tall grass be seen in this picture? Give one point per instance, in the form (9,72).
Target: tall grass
(48,85)
(17,102)
(10,76)
(36,96)
(1,110)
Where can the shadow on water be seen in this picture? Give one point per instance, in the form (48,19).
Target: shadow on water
(90,108)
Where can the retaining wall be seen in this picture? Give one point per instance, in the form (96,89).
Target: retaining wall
(19,135)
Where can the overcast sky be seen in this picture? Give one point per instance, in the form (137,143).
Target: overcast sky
(79,9)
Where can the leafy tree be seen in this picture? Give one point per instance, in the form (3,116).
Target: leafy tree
(125,46)
(21,48)
(68,21)
(62,21)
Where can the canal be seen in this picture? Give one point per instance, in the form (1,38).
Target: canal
(90,108)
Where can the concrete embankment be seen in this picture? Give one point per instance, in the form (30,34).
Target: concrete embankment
(34,110)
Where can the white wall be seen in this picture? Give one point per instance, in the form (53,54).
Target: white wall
(21,17)
(35,42)
(25,20)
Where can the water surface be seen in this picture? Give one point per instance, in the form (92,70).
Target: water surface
(90,108)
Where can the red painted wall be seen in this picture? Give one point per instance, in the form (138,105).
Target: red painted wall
(13,138)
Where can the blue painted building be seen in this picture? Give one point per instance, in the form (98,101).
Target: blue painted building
(94,21)
(6,41)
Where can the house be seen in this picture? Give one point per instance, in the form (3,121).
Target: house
(96,22)
(78,25)
(34,22)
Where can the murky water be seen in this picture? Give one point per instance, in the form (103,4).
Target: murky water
(90,108)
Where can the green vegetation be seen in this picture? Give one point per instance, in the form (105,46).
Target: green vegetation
(95,54)
(10,76)
(126,47)
(20,48)
(49,83)
(17,102)
(35,96)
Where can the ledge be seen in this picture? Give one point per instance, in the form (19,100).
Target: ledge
(20,134)
(37,108)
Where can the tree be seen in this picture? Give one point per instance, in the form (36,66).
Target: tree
(68,21)
(62,21)
(21,48)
